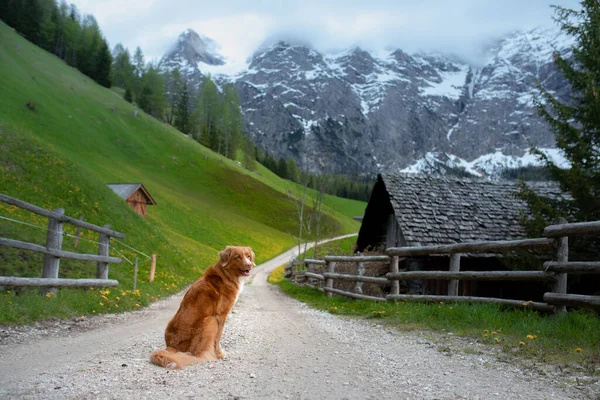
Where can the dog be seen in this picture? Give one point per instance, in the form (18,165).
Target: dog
(194,334)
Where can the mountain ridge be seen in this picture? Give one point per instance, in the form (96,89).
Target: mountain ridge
(360,112)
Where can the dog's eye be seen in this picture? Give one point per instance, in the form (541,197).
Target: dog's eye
(238,257)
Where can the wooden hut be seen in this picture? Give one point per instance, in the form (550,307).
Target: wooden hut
(422,210)
(135,194)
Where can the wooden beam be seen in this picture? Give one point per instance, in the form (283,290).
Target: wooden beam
(454,267)
(573,267)
(357,278)
(472,247)
(472,275)
(469,299)
(51,282)
(57,253)
(311,261)
(573,229)
(356,258)
(353,295)
(312,275)
(573,300)
(62,218)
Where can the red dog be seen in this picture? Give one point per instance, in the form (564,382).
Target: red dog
(194,333)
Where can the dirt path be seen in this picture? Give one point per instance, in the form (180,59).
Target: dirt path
(278,348)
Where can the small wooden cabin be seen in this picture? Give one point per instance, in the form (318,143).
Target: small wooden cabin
(422,210)
(135,194)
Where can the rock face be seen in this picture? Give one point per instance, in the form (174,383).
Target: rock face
(356,112)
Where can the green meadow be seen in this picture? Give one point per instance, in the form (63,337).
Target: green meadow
(63,138)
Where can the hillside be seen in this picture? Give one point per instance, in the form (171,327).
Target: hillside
(63,138)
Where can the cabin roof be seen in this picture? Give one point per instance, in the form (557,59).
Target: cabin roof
(445,210)
(125,190)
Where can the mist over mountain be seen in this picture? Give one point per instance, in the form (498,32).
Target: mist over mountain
(360,112)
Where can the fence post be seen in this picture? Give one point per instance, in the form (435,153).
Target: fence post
(310,268)
(330,269)
(135,269)
(78,234)
(152,269)
(54,241)
(561,254)
(359,284)
(394,269)
(103,250)
(454,267)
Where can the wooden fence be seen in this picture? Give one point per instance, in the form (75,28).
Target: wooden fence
(53,251)
(555,271)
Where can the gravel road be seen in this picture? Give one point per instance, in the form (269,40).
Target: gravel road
(278,349)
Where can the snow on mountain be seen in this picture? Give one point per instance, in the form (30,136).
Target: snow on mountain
(360,112)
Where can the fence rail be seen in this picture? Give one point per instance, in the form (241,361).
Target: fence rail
(53,250)
(554,272)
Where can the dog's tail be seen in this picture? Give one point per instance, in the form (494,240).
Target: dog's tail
(173,359)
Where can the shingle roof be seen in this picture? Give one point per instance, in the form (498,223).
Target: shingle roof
(124,190)
(445,210)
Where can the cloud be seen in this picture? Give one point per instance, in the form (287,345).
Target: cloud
(240,26)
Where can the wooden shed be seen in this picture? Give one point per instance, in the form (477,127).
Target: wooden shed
(423,210)
(135,194)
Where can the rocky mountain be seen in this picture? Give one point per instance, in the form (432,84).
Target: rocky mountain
(357,112)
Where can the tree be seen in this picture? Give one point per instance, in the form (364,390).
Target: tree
(123,76)
(207,114)
(152,95)
(576,124)
(139,68)
(182,110)
(103,73)
(174,87)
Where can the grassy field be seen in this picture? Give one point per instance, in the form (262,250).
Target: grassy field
(63,138)
(562,339)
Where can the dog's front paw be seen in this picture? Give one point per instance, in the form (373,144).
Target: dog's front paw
(222,355)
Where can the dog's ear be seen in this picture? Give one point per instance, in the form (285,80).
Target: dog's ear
(252,256)
(225,255)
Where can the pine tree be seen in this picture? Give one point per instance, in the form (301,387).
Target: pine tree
(152,95)
(123,76)
(576,124)
(103,73)
(173,89)
(182,110)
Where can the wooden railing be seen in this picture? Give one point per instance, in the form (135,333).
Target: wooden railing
(53,250)
(555,271)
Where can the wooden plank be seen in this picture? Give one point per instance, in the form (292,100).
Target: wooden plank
(394,270)
(573,229)
(472,275)
(152,269)
(358,278)
(63,218)
(329,281)
(57,253)
(54,239)
(573,300)
(353,295)
(313,275)
(103,251)
(472,247)
(51,282)
(561,254)
(468,299)
(454,267)
(315,262)
(573,267)
(360,270)
(356,258)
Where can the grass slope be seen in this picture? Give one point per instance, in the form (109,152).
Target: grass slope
(63,138)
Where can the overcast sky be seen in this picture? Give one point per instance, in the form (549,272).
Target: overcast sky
(241,26)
